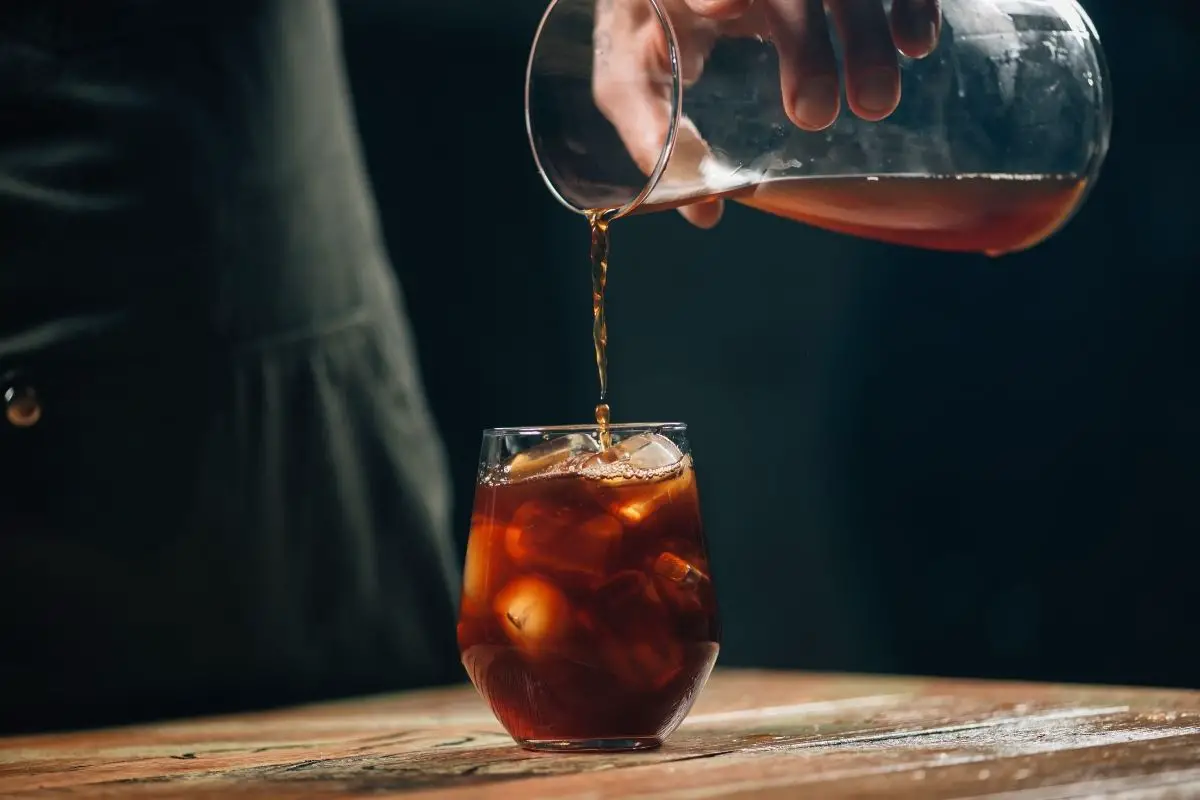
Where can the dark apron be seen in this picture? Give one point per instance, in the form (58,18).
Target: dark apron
(220,486)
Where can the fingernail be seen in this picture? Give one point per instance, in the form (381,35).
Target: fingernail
(815,105)
(877,91)
(919,28)
(919,40)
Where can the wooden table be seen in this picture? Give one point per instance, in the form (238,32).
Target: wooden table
(752,735)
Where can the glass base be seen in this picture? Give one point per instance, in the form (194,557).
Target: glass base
(592,745)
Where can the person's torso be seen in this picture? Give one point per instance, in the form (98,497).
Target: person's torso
(234,491)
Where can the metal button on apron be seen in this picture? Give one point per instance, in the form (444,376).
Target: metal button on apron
(22,407)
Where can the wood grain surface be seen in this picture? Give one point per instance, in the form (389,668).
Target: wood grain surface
(752,735)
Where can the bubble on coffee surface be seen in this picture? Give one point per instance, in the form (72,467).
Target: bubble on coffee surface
(642,457)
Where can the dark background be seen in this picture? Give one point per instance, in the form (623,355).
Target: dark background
(910,462)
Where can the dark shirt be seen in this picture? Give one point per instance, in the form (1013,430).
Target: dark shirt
(235,495)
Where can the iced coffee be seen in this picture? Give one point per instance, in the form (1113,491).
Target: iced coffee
(588,616)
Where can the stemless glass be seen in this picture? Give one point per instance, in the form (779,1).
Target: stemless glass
(588,618)
(999,134)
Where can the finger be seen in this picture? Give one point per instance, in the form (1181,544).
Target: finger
(641,116)
(719,9)
(628,91)
(640,111)
(916,26)
(693,44)
(871,64)
(704,215)
(807,68)
(630,85)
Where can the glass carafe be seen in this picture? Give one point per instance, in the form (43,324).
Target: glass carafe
(999,135)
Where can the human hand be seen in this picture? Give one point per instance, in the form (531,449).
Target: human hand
(631,70)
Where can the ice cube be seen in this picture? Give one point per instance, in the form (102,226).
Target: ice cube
(480,563)
(637,476)
(550,456)
(645,452)
(682,583)
(633,475)
(637,505)
(633,631)
(678,571)
(562,538)
(627,593)
(534,614)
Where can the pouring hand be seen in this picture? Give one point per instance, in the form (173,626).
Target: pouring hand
(631,75)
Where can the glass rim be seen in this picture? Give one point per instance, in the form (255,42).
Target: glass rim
(668,146)
(620,427)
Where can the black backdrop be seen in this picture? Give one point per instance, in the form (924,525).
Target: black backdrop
(909,462)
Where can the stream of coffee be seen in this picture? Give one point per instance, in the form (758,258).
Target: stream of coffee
(598,222)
